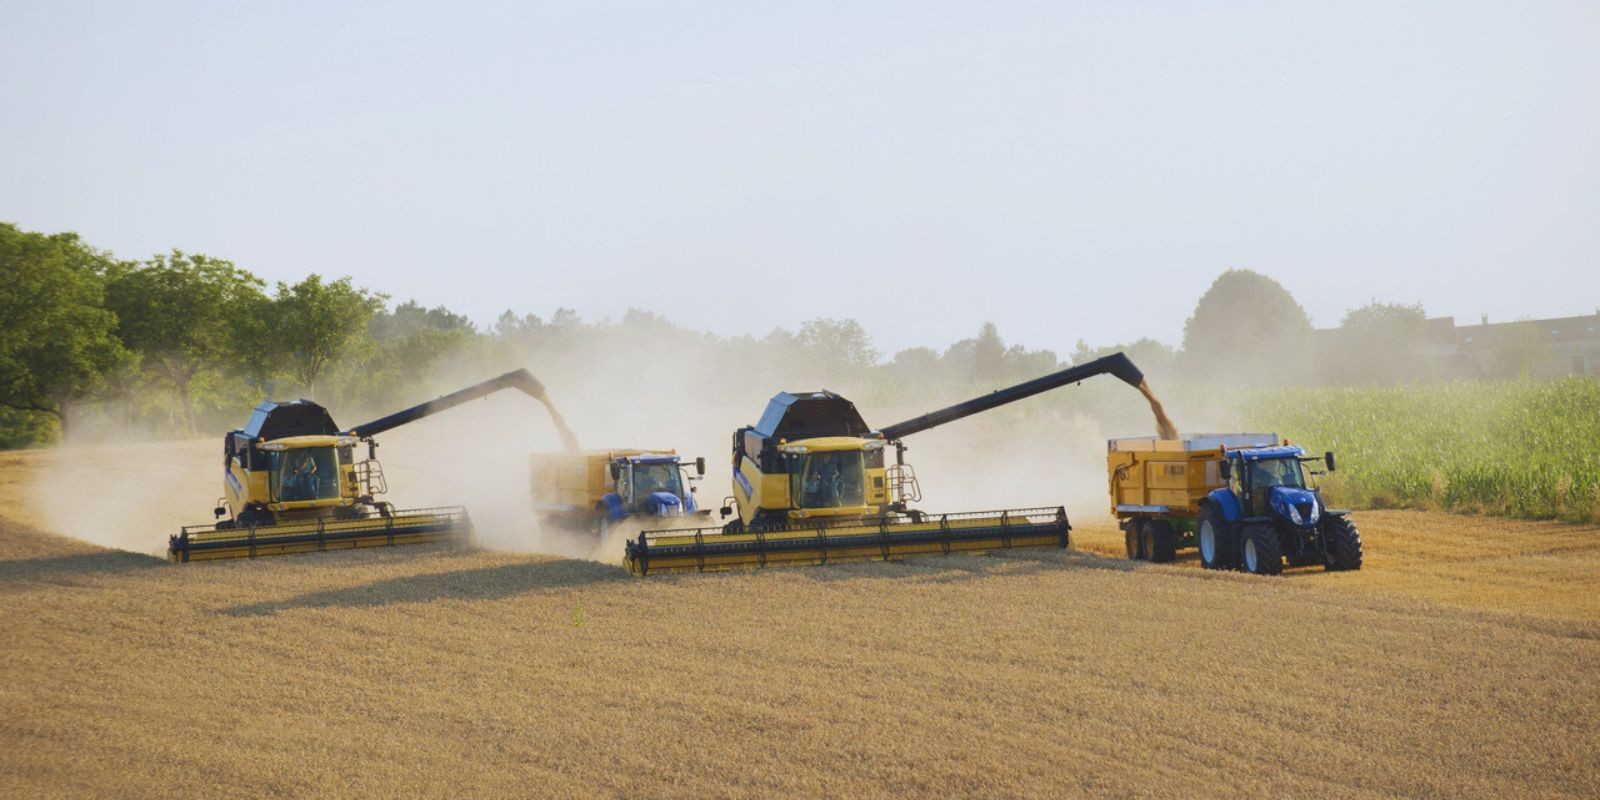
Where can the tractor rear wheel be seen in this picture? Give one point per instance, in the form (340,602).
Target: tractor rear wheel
(1344,544)
(1216,540)
(1262,553)
(1163,539)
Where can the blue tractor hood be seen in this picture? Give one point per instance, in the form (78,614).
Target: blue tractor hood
(1298,506)
(663,504)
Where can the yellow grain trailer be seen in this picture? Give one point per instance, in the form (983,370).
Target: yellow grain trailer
(1157,486)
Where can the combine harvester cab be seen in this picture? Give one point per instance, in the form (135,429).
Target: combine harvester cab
(811,485)
(292,483)
(594,490)
(1241,500)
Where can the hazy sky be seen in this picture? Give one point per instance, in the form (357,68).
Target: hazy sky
(1066,170)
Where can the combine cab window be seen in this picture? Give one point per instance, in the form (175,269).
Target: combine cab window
(830,480)
(309,473)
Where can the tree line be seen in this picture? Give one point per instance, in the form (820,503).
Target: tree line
(185,342)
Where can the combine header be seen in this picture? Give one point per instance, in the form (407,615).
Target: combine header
(810,486)
(292,484)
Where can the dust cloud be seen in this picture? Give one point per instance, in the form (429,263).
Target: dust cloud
(656,393)
(129,496)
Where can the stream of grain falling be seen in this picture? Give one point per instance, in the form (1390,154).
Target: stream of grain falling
(1164,427)
(569,439)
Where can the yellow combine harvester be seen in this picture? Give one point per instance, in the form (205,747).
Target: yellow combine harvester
(292,484)
(811,486)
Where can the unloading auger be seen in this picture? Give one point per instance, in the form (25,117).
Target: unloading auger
(292,484)
(810,486)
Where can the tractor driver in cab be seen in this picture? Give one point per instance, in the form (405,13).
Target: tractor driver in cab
(1270,472)
(648,483)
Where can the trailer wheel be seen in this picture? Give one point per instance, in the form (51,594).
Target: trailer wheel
(1262,551)
(1162,539)
(1344,544)
(1215,538)
(1130,538)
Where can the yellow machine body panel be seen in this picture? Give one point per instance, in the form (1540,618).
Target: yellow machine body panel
(1150,476)
(338,483)
(577,480)
(883,539)
(755,491)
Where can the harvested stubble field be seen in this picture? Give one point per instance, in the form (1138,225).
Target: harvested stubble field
(1461,662)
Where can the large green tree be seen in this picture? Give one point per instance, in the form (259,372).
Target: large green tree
(1247,328)
(841,344)
(57,339)
(179,313)
(1380,343)
(313,324)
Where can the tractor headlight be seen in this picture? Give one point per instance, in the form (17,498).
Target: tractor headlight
(1316,512)
(1294,515)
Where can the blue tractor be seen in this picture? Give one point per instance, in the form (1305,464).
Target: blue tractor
(1267,514)
(649,485)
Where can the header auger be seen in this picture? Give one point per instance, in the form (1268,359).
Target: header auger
(292,484)
(811,486)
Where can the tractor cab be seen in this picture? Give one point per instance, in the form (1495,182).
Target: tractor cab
(654,484)
(1271,482)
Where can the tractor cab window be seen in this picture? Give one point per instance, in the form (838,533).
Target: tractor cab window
(830,480)
(308,473)
(1267,473)
(660,477)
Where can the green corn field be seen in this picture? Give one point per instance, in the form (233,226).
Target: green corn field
(1509,448)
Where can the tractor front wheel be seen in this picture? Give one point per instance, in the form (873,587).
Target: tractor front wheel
(1215,537)
(1262,553)
(1344,544)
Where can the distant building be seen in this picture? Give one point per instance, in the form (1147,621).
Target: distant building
(1540,348)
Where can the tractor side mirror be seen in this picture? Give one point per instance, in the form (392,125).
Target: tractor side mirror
(700,465)
(1327,458)
(1225,469)
(219,511)
(616,471)
(727,511)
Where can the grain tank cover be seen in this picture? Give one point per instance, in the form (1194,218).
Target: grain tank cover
(274,420)
(808,415)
